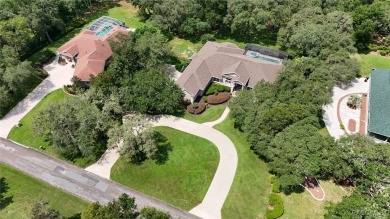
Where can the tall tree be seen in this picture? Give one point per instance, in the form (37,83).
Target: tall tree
(136,140)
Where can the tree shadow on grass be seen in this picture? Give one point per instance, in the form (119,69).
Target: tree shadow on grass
(163,149)
(4,201)
(75,216)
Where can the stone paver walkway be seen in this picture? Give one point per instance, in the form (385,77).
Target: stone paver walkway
(211,206)
(330,115)
(58,77)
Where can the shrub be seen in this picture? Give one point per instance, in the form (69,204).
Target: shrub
(342,126)
(45,57)
(383,52)
(181,65)
(275,201)
(195,106)
(218,98)
(215,88)
(276,187)
(207,37)
(204,99)
(272,179)
(201,107)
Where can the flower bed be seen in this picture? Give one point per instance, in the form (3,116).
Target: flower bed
(196,108)
(218,98)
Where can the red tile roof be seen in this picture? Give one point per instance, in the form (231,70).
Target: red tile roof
(91,50)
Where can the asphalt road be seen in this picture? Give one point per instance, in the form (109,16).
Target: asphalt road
(74,180)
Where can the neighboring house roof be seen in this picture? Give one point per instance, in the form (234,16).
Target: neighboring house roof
(379,109)
(91,50)
(217,59)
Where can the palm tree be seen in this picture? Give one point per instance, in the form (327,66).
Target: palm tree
(354,101)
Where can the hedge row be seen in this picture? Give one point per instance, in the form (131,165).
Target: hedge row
(276,202)
(199,109)
(218,98)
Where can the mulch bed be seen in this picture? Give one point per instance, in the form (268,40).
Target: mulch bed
(218,98)
(199,110)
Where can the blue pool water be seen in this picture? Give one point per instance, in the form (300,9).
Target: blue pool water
(104,31)
(257,56)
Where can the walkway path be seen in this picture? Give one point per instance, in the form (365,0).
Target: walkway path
(75,180)
(330,115)
(58,77)
(211,206)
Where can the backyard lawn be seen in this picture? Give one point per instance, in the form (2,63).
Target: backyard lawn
(26,136)
(370,61)
(248,196)
(182,180)
(302,205)
(211,114)
(25,190)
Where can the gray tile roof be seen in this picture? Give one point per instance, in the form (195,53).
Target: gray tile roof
(217,59)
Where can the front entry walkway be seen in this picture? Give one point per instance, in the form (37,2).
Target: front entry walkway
(58,77)
(331,110)
(212,203)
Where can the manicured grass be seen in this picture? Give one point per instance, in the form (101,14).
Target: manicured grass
(370,61)
(182,180)
(126,12)
(184,49)
(212,113)
(248,196)
(302,205)
(25,190)
(26,136)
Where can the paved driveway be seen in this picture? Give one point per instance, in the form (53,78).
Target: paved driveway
(330,114)
(212,203)
(75,180)
(58,77)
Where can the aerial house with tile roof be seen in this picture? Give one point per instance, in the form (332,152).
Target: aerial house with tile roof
(90,49)
(379,104)
(227,64)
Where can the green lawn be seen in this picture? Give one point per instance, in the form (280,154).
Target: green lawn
(302,205)
(26,136)
(182,180)
(211,114)
(26,190)
(370,61)
(248,196)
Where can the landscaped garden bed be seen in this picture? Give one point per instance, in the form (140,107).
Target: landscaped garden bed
(218,98)
(196,108)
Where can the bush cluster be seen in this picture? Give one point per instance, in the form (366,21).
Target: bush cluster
(46,56)
(215,88)
(276,202)
(218,98)
(196,108)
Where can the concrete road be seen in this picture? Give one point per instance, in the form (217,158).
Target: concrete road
(74,180)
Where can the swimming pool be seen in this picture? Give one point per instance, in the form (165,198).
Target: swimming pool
(258,56)
(104,31)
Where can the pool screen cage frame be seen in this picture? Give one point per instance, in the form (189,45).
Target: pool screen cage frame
(267,51)
(103,22)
